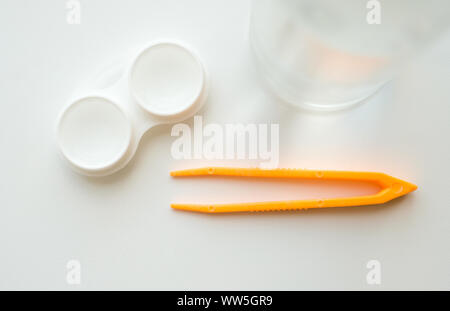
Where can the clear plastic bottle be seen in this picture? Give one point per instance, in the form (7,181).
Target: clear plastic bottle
(328,54)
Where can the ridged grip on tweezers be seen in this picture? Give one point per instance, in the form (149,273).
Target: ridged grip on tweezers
(391,188)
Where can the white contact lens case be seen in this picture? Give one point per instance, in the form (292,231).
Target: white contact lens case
(98,133)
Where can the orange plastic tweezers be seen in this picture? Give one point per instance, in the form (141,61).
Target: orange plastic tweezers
(391,188)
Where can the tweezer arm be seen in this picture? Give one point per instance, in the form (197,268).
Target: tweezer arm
(391,189)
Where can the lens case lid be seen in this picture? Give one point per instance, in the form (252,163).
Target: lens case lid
(98,133)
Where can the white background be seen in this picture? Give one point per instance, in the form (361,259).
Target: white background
(122,229)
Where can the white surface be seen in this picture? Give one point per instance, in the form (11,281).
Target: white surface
(121,228)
